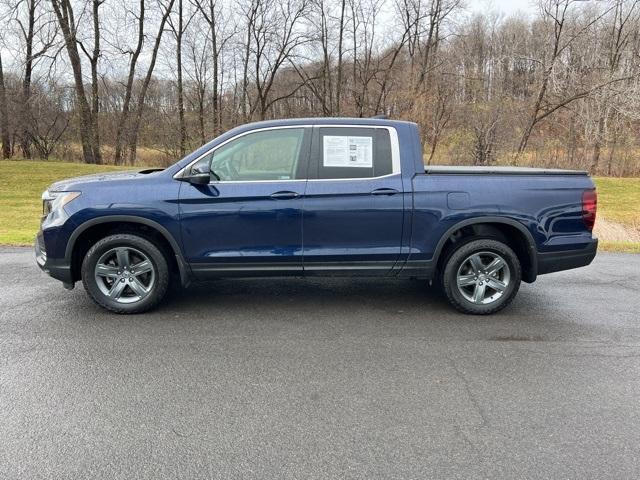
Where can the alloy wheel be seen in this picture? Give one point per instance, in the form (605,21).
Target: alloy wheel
(483,277)
(125,274)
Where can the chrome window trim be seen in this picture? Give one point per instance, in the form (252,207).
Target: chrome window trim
(393,137)
(292,180)
(351,179)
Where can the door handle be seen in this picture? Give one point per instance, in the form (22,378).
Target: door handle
(385,191)
(284,195)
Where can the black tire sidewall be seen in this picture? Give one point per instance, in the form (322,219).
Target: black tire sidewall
(455,259)
(158,261)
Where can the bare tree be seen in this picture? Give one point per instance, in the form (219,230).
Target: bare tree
(440,115)
(555,12)
(625,17)
(324,88)
(67,21)
(123,118)
(38,37)
(198,74)
(4,116)
(341,29)
(179,32)
(220,35)
(94,57)
(50,118)
(135,127)
(273,36)
(250,11)
(485,133)
(438,11)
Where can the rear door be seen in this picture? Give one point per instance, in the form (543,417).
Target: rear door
(354,203)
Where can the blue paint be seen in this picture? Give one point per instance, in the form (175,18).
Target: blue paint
(327,227)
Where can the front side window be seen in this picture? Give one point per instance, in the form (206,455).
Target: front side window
(263,155)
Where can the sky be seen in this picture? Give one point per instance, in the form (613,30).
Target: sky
(503,6)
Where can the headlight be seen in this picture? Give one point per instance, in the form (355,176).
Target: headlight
(54,201)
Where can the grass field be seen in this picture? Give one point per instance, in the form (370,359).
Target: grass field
(22,183)
(619,247)
(619,200)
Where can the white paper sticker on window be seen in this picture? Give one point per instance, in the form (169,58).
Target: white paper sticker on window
(347,152)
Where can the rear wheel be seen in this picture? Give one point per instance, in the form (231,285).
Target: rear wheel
(125,273)
(481,277)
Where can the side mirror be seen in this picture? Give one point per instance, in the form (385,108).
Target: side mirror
(197,176)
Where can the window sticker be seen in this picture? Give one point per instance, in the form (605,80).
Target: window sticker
(342,151)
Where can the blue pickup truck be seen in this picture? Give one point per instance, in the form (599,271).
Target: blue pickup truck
(306,197)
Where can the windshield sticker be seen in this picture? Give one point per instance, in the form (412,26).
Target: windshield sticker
(347,152)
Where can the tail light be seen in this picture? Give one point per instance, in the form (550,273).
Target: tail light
(589,208)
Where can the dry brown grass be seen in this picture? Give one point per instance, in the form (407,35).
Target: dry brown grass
(459,152)
(615,232)
(146,156)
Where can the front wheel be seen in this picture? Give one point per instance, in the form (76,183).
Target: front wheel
(125,273)
(481,277)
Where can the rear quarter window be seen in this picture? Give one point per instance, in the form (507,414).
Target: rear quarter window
(351,152)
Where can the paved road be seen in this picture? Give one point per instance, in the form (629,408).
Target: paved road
(322,379)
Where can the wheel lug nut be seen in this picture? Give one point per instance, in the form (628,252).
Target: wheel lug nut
(122,279)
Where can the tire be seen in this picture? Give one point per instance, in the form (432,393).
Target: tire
(474,288)
(116,285)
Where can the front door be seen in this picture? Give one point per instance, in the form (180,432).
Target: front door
(354,202)
(249,218)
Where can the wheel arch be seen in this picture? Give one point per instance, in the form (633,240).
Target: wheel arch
(515,233)
(119,220)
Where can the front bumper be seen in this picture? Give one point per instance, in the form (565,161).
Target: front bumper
(566,260)
(56,268)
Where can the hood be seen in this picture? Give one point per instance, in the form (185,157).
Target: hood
(76,183)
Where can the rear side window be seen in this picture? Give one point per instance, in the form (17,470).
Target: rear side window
(346,152)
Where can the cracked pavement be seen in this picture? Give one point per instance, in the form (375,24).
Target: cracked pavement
(322,378)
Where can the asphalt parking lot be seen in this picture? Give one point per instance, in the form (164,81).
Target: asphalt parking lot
(323,378)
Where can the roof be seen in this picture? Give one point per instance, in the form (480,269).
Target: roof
(288,122)
(323,121)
